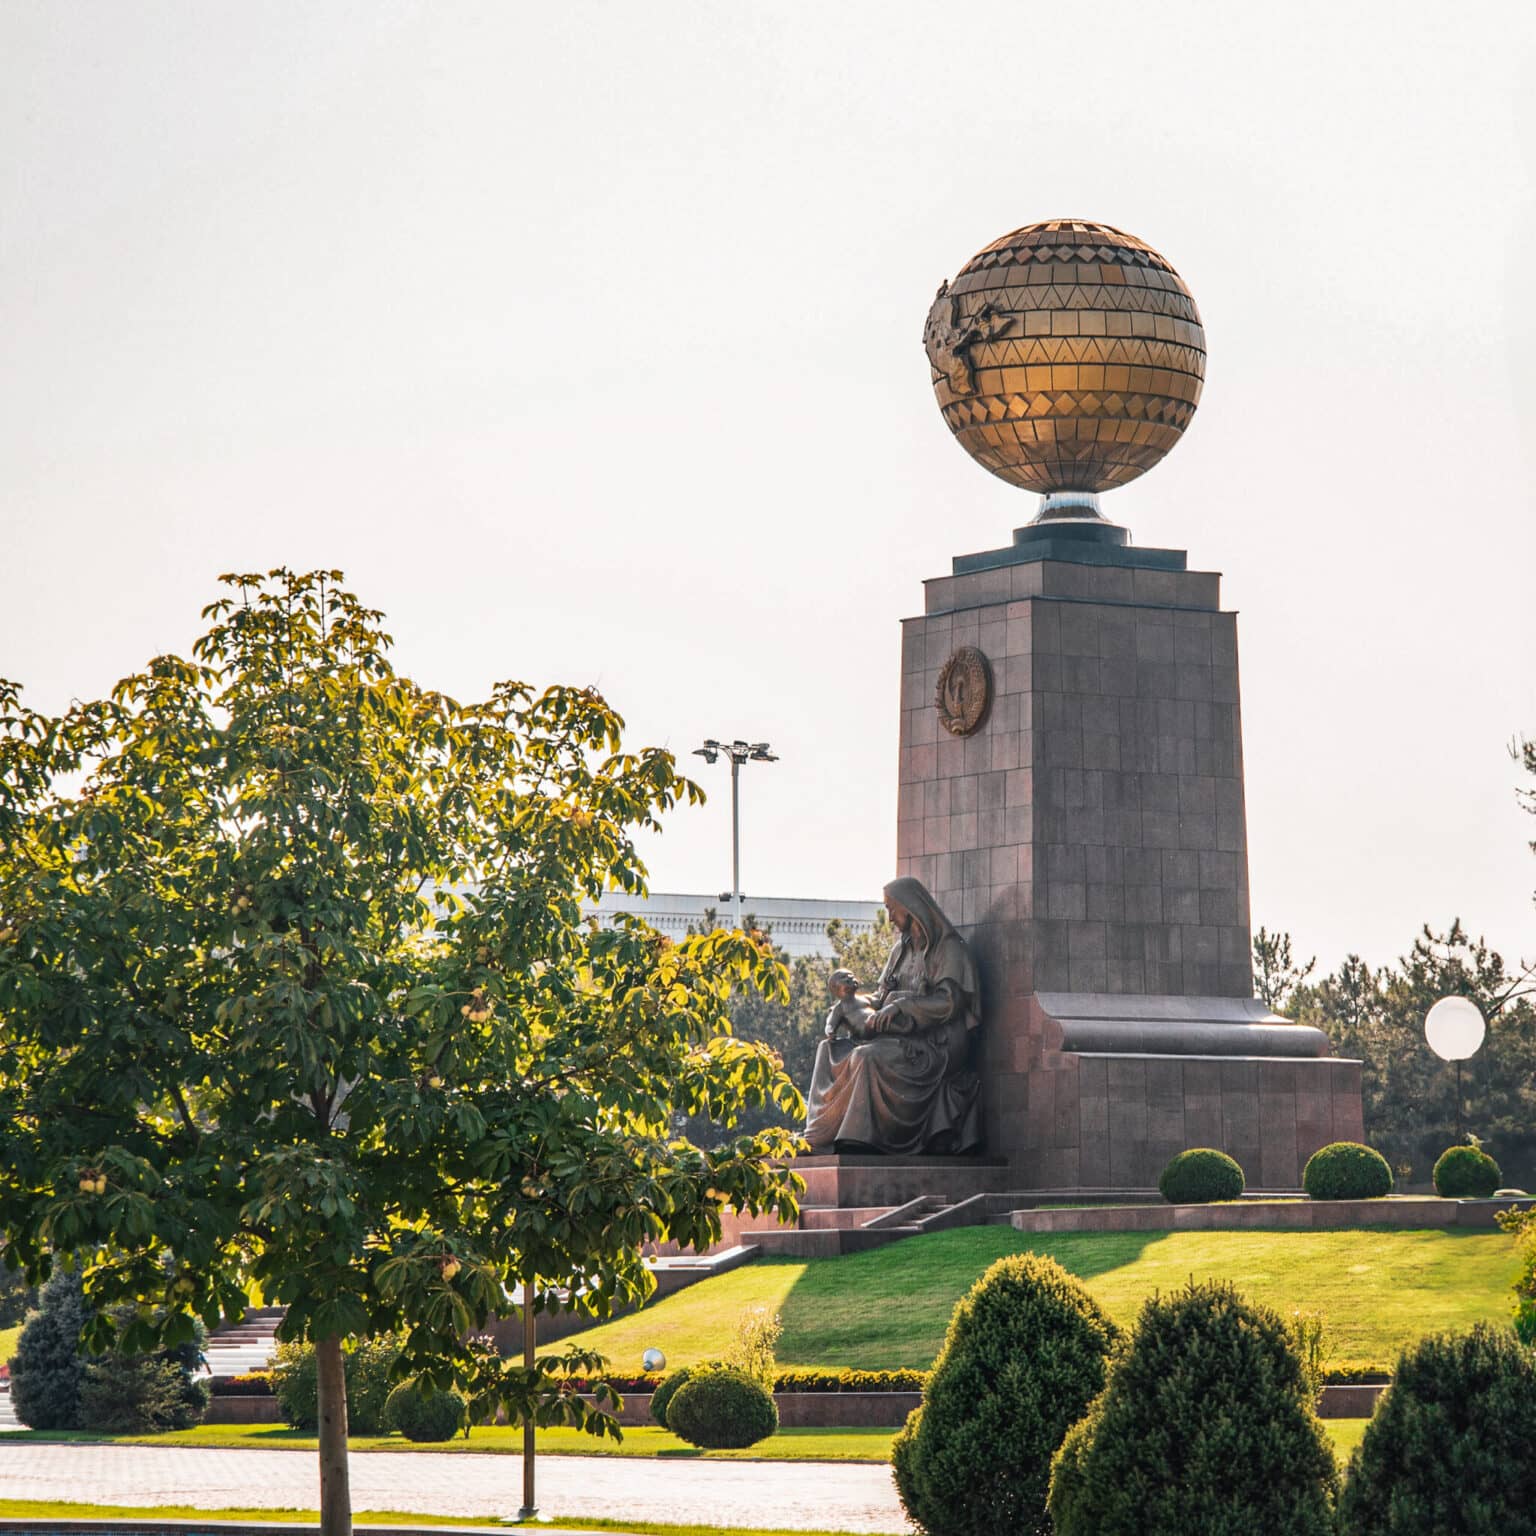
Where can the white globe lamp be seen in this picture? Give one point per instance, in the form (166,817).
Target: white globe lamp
(1455,1030)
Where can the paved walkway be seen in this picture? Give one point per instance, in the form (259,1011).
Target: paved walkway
(843,1496)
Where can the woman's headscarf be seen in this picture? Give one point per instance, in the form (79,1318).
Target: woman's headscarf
(946,957)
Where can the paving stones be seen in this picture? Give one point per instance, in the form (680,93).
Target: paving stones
(849,1496)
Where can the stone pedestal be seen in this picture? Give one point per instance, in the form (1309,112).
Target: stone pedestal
(1089,839)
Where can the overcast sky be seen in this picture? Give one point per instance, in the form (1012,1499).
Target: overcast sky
(586,339)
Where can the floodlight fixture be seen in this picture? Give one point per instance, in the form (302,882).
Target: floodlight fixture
(738,752)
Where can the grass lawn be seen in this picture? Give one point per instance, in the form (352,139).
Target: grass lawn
(1379,1288)
(643,1440)
(43,1509)
(1345,1434)
(36,1509)
(646,1440)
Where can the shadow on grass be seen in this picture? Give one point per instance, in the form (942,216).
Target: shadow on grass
(839,1311)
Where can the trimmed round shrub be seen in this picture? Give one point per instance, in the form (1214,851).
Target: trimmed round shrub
(720,1408)
(424,1416)
(1467,1173)
(1450,1446)
(1205,1429)
(1200,1175)
(662,1397)
(1346,1170)
(1025,1354)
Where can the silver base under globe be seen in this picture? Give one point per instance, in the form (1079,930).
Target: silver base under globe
(1069,506)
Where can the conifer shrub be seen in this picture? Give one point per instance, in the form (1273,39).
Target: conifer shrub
(1200,1175)
(1466,1173)
(426,1417)
(56,1385)
(1346,1170)
(139,1395)
(1205,1428)
(722,1408)
(1450,1447)
(149,1393)
(46,1368)
(1025,1354)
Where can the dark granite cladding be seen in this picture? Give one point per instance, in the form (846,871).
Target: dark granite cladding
(1090,838)
(1102,803)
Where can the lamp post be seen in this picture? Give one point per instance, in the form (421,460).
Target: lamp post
(1454,1028)
(530,1509)
(738,752)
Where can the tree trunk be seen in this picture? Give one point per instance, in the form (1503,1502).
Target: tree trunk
(335,1486)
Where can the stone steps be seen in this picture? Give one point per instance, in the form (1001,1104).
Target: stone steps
(237,1349)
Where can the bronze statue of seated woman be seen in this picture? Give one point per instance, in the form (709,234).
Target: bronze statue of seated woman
(897,1077)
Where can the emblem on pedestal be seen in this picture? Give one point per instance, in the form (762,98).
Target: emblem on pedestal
(964,693)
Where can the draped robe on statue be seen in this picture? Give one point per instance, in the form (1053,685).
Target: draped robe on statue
(909,1088)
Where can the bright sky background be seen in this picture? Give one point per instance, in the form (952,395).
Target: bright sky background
(586,339)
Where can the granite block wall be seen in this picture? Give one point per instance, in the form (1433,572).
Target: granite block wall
(1090,837)
(1101,804)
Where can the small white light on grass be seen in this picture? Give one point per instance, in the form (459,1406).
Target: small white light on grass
(653,1360)
(1454,1028)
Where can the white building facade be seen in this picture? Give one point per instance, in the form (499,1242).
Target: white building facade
(798,925)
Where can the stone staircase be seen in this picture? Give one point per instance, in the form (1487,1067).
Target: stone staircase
(828,1230)
(236,1349)
(853,1203)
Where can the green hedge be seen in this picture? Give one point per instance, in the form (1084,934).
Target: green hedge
(1346,1170)
(1355,1373)
(1199,1176)
(848,1380)
(253,1384)
(1466,1173)
(645,1382)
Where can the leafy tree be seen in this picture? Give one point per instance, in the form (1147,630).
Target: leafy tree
(792,1025)
(1276,976)
(1409,1093)
(17,1298)
(296,1003)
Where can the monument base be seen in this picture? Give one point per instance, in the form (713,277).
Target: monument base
(1101,1091)
(864,1181)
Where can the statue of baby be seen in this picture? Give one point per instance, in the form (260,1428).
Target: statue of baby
(849,1016)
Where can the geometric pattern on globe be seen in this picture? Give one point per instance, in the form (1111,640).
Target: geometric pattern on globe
(1066,356)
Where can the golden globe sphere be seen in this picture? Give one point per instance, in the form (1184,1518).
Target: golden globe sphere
(1067,356)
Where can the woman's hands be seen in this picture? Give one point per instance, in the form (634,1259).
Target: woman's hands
(890,1018)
